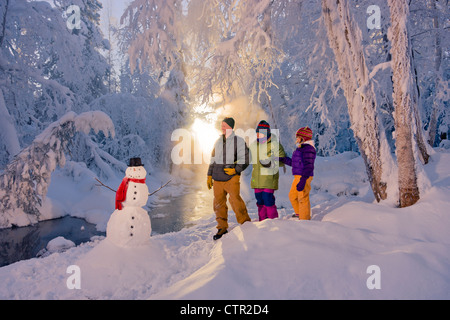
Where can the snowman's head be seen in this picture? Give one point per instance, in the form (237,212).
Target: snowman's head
(136,172)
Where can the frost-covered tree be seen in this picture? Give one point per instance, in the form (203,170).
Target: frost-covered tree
(153,73)
(307,90)
(345,39)
(24,182)
(405,103)
(152,33)
(226,47)
(137,82)
(437,101)
(144,119)
(238,48)
(85,71)
(427,23)
(9,141)
(46,69)
(32,97)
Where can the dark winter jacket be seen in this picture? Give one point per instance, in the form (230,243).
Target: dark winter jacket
(302,161)
(231,152)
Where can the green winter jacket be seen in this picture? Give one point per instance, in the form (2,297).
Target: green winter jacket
(265,163)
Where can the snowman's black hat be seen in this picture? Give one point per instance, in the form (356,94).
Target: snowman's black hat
(135,162)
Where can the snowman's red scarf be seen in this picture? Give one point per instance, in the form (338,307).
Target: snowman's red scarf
(121,193)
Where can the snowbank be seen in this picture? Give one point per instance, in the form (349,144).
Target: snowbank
(325,258)
(329,259)
(287,259)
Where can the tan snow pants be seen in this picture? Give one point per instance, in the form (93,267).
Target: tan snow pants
(233,188)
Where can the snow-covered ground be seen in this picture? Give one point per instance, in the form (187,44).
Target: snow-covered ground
(330,257)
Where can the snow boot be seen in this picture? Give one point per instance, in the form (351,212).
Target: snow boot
(219,234)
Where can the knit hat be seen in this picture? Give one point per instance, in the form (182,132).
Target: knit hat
(305,132)
(264,127)
(229,121)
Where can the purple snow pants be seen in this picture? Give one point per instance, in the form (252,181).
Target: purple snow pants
(265,200)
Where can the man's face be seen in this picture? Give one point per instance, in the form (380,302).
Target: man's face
(226,129)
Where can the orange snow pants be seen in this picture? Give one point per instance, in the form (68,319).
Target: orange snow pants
(233,188)
(300,199)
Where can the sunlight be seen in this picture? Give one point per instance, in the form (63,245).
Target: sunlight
(206,134)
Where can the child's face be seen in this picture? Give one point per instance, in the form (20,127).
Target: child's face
(299,140)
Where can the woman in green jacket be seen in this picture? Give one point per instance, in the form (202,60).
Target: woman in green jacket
(265,151)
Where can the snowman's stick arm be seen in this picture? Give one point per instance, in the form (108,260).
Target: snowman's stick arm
(150,194)
(103,185)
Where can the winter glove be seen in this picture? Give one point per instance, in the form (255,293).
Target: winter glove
(230,171)
(209,182)
(301,184)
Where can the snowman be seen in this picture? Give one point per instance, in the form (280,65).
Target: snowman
(129,225)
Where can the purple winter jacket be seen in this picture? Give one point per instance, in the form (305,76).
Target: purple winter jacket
(302,161)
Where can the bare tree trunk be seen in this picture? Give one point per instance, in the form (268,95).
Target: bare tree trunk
(403,96)
(345,39)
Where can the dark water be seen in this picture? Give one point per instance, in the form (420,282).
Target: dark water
(26,242)
(181,212)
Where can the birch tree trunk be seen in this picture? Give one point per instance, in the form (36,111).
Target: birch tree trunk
(345,39)
(403,96)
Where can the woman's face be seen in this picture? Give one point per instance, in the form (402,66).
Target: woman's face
(260,135)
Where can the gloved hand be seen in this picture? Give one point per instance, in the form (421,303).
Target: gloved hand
(230,171)
(301,184)
(209,182)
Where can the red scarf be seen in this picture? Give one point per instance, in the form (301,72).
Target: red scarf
(121,193)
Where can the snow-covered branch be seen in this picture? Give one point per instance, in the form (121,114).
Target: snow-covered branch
(24,183)
(151,26)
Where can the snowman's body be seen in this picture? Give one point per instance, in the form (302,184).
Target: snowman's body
(131,226)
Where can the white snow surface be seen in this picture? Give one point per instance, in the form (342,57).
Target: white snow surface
(325,258)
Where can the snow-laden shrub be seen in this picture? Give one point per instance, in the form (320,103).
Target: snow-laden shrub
(24,182)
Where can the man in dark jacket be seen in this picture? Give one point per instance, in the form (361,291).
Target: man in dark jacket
(229,158)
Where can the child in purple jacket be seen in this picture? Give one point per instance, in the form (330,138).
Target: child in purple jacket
(302,163)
